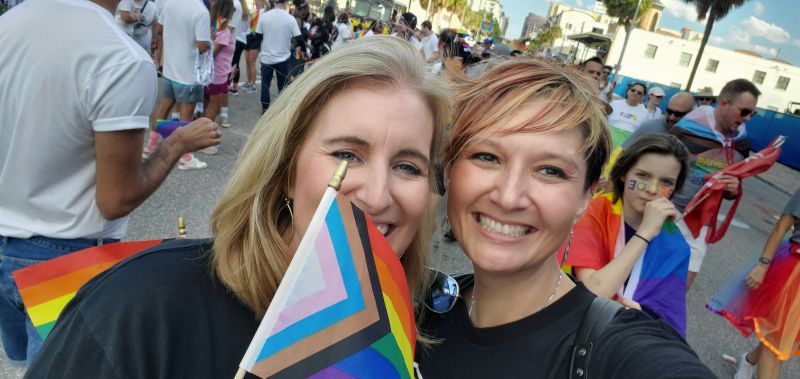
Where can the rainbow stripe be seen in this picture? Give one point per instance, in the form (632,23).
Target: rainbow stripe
(343,308)
(254,21)
(218,23)
(166,127)
(658,279)
(47,287)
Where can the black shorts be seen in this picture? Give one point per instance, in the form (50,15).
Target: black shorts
(252,43)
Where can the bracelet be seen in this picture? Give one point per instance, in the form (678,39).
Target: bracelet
(643,239)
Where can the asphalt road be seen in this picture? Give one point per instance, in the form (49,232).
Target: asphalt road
(193,194)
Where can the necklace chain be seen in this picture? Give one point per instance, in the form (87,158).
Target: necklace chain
(473,300)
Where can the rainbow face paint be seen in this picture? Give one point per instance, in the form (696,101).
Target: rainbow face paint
(650,185)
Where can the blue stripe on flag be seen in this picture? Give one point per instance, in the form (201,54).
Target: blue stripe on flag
(368,363)
(336,312)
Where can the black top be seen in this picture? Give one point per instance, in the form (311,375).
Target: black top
(540,345)
(159,314)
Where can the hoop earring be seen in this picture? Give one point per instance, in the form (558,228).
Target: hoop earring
(287,204)
(569,243)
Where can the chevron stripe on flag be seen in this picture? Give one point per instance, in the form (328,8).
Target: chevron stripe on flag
(343,308)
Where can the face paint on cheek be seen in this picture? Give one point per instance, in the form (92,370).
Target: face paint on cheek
(641,186)
(665,191)
(632,184)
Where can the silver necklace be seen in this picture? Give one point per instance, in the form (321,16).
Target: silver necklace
(473,300)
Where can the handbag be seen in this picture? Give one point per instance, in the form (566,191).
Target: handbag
(140,28)
(204,66)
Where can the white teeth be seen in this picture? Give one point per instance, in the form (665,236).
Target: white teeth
(383,228)
(496,227)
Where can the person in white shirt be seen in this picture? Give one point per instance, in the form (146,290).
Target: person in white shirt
(275,30)
(71,175)
(406,28)
(240,24)
(430,43)
(186,33)
(654,97)
(627,114)
(345,31)
(136,18)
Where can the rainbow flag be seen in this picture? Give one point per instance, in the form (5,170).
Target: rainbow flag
(343,308)
(658,279)
(47,287)
(218,23)
(518,45)
(254,21)
(167,127)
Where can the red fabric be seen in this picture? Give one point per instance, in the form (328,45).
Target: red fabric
(590,245)
(704,206)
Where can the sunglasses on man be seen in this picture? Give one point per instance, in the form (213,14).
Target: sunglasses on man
(636,91)
(705,98)
(676,113)
(746,112)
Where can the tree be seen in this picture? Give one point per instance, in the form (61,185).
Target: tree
(547,36)
(714,10)
(628,13)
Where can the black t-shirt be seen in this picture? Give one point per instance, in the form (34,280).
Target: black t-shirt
(159,314)
(540,345)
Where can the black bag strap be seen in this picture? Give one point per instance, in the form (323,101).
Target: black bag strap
(594,323)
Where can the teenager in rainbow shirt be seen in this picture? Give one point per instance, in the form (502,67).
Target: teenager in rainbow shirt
(626,245)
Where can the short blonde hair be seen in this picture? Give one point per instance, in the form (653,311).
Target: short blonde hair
(250,255)
(569,98)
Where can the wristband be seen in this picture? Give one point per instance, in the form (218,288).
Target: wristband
(764,260)
(643,239)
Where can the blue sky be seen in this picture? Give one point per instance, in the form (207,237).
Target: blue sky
(763,26)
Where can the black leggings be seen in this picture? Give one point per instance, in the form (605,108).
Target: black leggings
(237,56)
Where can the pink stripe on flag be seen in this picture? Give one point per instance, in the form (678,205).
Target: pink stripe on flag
(332,293)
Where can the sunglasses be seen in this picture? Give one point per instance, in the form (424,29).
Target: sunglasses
(705,98)
(444,292)
(658,97)
(636,91)
(746,112)
(676,113)
(606,72)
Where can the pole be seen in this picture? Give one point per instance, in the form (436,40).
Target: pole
(627,36)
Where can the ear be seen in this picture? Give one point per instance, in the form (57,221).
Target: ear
(584,202)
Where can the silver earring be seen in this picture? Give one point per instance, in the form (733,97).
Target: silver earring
(287,204)
(569,243)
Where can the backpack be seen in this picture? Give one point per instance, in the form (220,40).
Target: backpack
(594,323)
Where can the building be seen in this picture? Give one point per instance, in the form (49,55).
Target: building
(652,17)
(575,22)
(662,58)
(599,7)
(492,7)
(533,25)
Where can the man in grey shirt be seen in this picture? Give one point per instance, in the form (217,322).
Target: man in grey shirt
(679,105)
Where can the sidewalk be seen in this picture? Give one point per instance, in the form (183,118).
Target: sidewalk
(783,178)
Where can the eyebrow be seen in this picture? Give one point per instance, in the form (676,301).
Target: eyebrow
(545,155)
(353,140)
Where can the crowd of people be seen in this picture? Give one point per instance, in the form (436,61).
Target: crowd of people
(558,191)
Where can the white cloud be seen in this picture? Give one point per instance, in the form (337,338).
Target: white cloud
(579,3)
(759,8)
(760,28)
(717,40)
(680,9)
(740,39)
(797,42)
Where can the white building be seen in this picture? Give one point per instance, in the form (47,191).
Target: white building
(574,21)
(492,7)
(599,7)
(668,60)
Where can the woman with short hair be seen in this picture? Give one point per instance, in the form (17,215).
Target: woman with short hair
(525,152)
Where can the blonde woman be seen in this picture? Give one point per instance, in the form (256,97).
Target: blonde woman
(525,152)
(189,308)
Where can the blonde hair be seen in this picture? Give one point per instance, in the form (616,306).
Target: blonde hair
(568,97)
(250,255)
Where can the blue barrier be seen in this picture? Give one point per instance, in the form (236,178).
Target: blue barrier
(761,129)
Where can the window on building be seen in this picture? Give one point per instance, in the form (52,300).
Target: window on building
(712,64)
(783,83)
(650,51)
(758,77)
(686,59)
(569,26)
(675,85)
(597,30)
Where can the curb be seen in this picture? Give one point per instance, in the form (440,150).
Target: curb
(773,185)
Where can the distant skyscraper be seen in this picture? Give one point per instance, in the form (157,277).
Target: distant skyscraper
(533,25)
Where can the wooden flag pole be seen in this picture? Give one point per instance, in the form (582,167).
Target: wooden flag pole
(240,374)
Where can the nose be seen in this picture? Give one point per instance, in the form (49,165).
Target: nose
(511,189)
(652,187)
(371,189)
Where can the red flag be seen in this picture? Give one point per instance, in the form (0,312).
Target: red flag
(704,206)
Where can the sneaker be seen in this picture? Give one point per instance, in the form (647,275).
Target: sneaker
(251,88)
(151,146)
(197,115)
(224,122)
(194,164)
(211,150)
(233,92)
(745,370)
